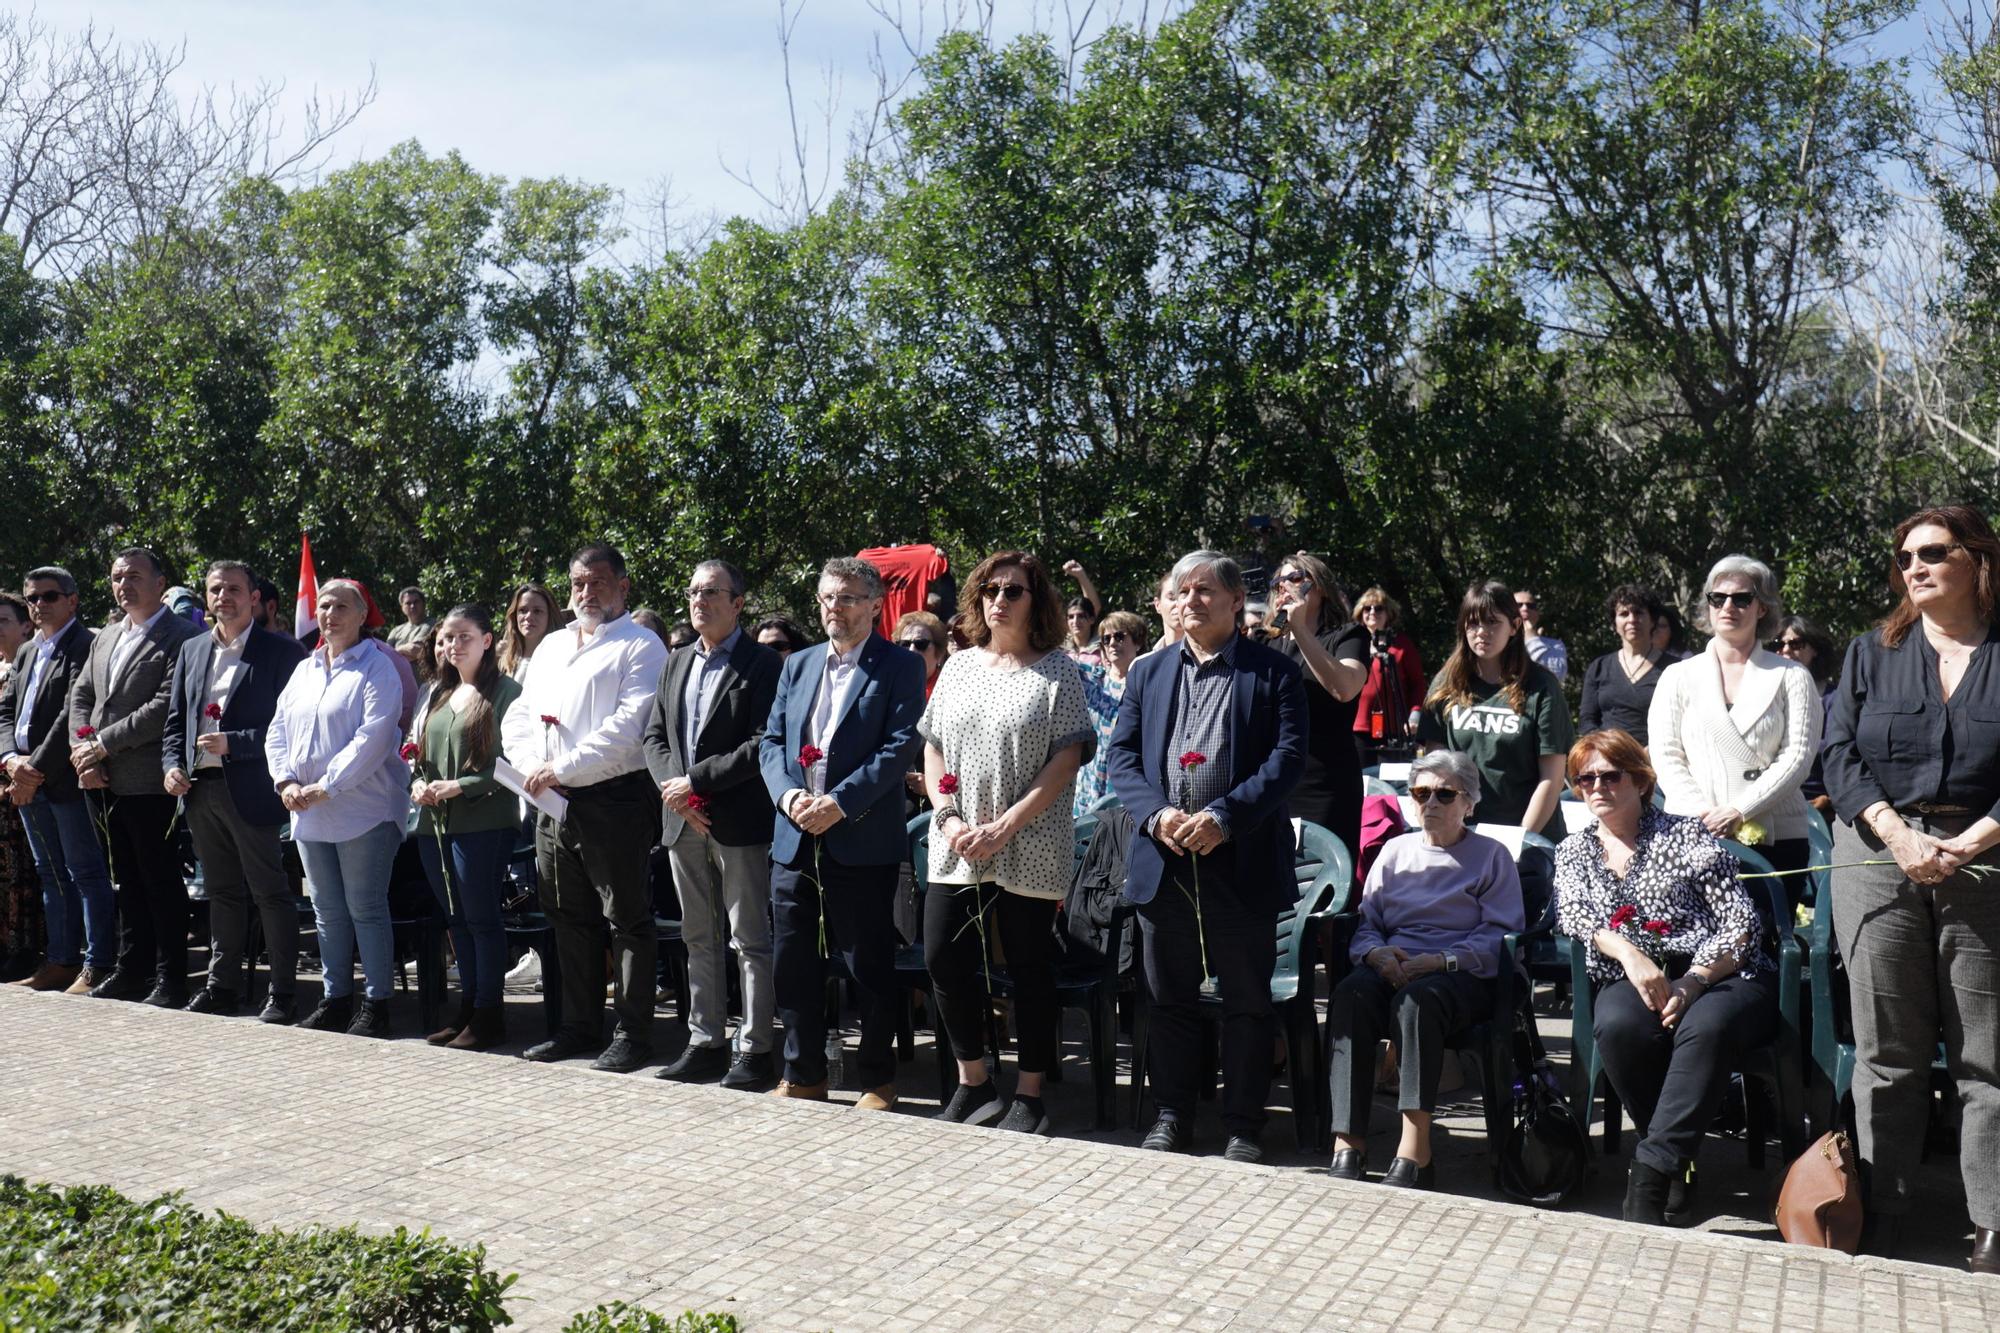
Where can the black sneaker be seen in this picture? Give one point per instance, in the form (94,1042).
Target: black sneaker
(279,1009)
(214,1000)
(1168,1135)
(371,1019)
(1025,1115)
(330,1015)
(980,1105)
(622,1056)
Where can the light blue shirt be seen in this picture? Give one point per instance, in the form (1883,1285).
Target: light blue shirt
(336,725)
(45,649)
(703,677)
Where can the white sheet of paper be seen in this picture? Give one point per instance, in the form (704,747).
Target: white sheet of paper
(551,803)
(1394,773)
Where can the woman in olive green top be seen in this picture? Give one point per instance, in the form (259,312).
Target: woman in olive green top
(467,821)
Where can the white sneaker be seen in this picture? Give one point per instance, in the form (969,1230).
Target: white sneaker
(525,978)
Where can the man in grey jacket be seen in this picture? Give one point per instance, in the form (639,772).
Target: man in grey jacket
(117,711)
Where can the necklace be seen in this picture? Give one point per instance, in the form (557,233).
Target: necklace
(1632,675)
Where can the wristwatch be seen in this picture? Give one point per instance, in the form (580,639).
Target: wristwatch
(1451,962)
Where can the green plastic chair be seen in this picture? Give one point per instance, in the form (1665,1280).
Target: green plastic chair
(1819,837)
(1778,1064)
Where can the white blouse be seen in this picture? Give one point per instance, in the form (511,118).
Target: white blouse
(1752,754)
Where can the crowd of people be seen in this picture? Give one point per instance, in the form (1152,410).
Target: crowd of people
(780,774)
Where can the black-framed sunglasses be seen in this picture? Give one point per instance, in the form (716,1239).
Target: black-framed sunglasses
(920,644)
(1527,604)
(1443,795)
(37,598)
(1931,553)
(1110,637)
(1295,577)
(1609,777)
(1742,601)
(1788,645)
(997,591)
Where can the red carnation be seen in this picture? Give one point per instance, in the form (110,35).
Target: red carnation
(697,803)
(1623,917)
(84,733)
(409,751)
(549,719)
(1193,759)
(810,755)
(948,785)
(213,712)
(1659,928)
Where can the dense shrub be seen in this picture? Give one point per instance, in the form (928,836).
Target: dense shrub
(618,1317)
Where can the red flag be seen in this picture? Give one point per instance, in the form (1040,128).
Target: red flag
(305,617)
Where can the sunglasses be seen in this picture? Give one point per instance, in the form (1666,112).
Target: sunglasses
(1608,777)
(1528,604)
(1442,795)
(922,645)
(37,598)
(1114,636)
(1790,645)
(1295,578)
(1742,601)
(1935,553)
(996,592)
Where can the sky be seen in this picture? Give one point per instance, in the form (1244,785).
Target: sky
(613,92)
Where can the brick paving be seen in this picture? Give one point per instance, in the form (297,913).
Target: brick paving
(796,1216)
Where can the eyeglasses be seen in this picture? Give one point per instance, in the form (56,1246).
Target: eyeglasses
(1742,601)
(921,644)
(1009,592)
(1790,645)
(37,598)
(1110,637)
(1442,795)
(843,600)
(1609,777)
(1295,577)
(1527,604)
(1934,553)
(703,594)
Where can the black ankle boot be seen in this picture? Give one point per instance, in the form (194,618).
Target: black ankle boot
(1645,1194)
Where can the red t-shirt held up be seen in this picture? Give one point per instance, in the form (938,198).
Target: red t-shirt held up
(907,572)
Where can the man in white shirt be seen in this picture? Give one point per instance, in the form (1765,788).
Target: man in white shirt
(578,729)
(117,712)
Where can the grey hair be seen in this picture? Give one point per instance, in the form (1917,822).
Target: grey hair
(856,570)
(1256,608)
(64,579)
(1455,766)
(351,588)
(1227,572)
(730,573)
(1762,582)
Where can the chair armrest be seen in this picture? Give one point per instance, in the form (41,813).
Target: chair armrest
(1790,966)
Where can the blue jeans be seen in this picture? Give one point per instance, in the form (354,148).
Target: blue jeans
(77,897)
(350,892)
(472,907)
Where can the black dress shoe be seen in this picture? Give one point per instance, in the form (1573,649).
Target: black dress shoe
(121,985)
(1347,1165)
(165,995)
(1167,1135)
(371,1019)
(1241,1149)
(1406,1174)
(1985,1251)
(751,1069)
(622,1056)
(214,1000)
(330,1015)
(279,1009)
(697,1064)
(562,1046)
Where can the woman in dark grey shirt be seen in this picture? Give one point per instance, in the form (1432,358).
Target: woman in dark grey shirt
(1618,687)
(1912,762)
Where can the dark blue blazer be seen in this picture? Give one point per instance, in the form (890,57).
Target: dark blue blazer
(268,661)
(1267,753)
(873,743)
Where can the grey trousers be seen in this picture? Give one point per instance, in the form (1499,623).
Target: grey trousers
(729,886)
(1921,960)
(241,862)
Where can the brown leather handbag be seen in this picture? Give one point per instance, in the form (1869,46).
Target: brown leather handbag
(1820,1203)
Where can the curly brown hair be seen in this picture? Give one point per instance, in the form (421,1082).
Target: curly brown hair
(1046,629)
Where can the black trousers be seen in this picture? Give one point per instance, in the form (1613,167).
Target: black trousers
(1242,951)
(1364,1008)
(1022,927)
(1672,1079)
(152,896)
(861,931)
(593,869)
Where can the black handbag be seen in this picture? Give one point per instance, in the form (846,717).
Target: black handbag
(1546,1156)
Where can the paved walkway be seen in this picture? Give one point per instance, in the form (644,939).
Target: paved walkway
(796,1216)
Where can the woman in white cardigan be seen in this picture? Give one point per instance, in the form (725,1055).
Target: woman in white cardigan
(1733,730)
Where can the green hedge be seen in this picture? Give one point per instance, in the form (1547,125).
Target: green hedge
(619,1317)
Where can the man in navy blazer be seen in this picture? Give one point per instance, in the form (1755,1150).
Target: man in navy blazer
(842,733)
(1210,741)
(225,688)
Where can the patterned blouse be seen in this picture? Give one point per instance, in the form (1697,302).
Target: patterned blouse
(1101,697)
(1680,898)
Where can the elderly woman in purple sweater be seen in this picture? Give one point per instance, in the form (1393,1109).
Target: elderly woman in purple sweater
(1434,913)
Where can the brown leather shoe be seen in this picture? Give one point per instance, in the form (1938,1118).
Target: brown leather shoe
(804,1092)
(53,976)
(878,1099)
